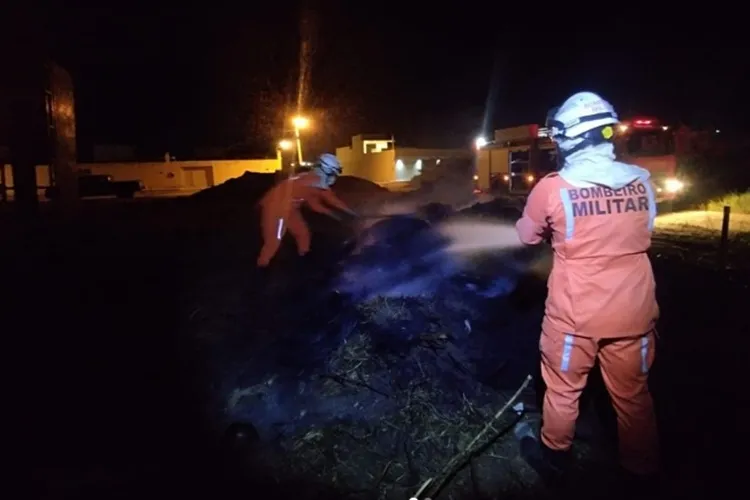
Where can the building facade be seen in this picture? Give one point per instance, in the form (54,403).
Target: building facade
(159,178)
(377,158)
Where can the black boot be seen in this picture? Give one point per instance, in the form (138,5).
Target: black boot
(641,486)
(551,465)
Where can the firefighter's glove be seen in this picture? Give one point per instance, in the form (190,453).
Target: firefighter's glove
(546,233)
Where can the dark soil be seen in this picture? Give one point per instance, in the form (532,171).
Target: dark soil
(115,399)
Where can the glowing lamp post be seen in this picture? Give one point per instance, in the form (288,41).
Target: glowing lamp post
(299,122)
(480,142)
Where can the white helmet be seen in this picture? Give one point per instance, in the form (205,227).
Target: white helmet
(328,168)
(329,164)
(583,120)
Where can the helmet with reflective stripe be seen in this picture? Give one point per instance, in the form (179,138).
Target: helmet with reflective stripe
(328,168)
(583,120)
(329,164)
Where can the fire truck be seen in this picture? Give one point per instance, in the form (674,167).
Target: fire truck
(645,142)
(519,156)
(514,161)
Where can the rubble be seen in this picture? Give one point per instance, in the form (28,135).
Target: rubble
(245,188)
(373,365)
(398,388)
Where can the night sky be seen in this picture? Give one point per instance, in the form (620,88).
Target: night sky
(181,79)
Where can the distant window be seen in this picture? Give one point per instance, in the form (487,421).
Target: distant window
(650,143)
(519,162)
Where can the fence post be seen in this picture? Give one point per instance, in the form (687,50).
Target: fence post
(724,244)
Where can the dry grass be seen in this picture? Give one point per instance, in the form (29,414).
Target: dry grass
(703,223)
(739,203)
(426,423)
(695,236)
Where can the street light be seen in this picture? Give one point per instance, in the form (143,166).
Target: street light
(299,122)
(480,142)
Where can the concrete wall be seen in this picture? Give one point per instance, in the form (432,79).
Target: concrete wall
(375,167)
(344,154)
(432,153)
(414,163)
(42,176)
(394,166)
(165,176)
(406,168)
(358,146)
(181,175)
(42,179)
(378,167)
(229,169)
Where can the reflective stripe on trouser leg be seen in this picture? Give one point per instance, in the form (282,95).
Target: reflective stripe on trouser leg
(566,362)
(271,238)
(279,229)
(622,363)
(567,350)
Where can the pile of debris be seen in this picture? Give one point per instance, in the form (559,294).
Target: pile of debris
(375,365)
(357,192)
(248,187)
(452,185)
(390,399)
(377,361)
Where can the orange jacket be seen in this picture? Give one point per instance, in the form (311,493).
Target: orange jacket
(600,214)
(306,187)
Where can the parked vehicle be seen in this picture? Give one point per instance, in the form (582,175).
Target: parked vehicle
(101,185)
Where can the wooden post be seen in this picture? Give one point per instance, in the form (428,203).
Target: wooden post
(724,245)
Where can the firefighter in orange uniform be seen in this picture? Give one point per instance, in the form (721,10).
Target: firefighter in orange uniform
(280,206)
(599,215)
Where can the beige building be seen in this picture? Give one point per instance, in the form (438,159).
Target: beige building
(378,159)
(165,177)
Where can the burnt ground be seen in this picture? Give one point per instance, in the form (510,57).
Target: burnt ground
(107,392)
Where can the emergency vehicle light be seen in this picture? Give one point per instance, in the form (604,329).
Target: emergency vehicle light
(645,122)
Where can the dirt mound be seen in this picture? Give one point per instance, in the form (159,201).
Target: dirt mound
(348,184)
(392,400)
(499,208)
(242,193)
(247,188)
(369,369)
(360,194)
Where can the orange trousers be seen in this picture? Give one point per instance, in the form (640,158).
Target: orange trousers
(625,362)
(273,228)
